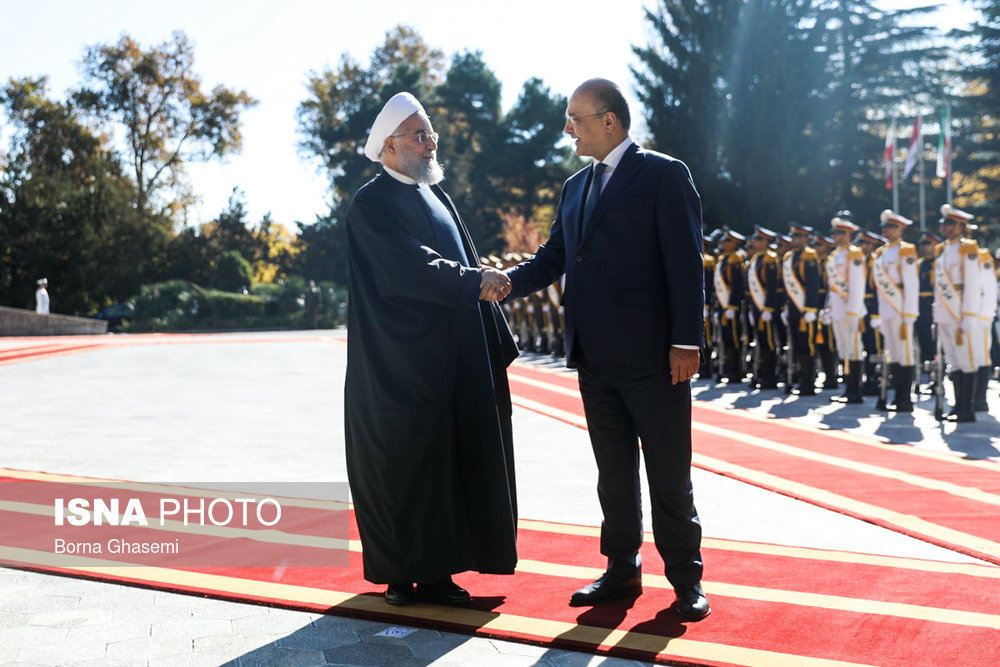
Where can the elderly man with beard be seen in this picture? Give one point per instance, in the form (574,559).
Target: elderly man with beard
(427,405)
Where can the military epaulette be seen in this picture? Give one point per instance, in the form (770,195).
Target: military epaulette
(810,253)
(877,251)
(938,249)
(907,249)
(969,247)
(854,253)
(707,261)
(770,257)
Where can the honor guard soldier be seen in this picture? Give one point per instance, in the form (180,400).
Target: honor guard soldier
(987,313)
(763,282)
(800,274)
(957,297)
(729,290)
(845,305)
(708,265)
(870,337)
(826,348)
(925,303)
(894,272)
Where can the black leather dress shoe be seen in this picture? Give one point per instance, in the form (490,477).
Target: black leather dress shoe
(692,603)
(609,586)
(444,591)
(400,594)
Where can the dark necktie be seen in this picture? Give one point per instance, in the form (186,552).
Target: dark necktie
(595,194)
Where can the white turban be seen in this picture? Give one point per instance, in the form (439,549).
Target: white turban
(399,107)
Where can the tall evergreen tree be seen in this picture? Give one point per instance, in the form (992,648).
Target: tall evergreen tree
(779,108)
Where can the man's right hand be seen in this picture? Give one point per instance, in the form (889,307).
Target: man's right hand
(494,285)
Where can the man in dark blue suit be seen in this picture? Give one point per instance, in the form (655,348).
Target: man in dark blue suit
(627,236)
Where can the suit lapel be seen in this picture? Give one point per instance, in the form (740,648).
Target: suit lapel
(623,174)
(576,190)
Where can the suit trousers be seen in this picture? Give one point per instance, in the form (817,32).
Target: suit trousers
(621,412)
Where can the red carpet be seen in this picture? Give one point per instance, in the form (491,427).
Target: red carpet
(939,498)
(773,605)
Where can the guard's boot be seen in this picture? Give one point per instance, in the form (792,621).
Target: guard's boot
(870,386)
(890,372)
(956,384)
(853,380)
(807,375)
(965,389)
(903,401)
(829,362)
(983,374)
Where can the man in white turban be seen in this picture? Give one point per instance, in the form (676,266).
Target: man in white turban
(427,405)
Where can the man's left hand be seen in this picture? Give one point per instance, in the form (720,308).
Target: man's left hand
(683,364)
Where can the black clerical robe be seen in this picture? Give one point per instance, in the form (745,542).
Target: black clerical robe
(427,405)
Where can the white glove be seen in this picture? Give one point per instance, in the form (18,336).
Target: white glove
(727,314)
(969,323)
(824,316)
(875,321)
(784,317)
(767,316)
(810,316)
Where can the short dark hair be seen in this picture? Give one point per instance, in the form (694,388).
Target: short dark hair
(608,96)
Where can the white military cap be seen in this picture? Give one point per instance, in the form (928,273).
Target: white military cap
(949,212)
(890,217)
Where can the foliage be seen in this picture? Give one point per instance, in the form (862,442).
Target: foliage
(233,273)
(155,97)
(180,305)
(494,163)
(66,210)
(781,108)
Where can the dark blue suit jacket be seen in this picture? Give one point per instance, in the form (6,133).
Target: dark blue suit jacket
(634,279)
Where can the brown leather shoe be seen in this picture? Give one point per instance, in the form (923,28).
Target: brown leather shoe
(692,603)
(609,586)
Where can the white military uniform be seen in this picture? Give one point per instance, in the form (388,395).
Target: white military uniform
(894,272)
(845,300)
(957,297)
(41,299)
(987,307)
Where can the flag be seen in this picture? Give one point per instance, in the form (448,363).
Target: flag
(915,146)
(890,153)
(944,145)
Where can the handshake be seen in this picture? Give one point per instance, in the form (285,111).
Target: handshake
(494,285)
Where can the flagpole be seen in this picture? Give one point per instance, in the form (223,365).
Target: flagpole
(920,167)
(895,179)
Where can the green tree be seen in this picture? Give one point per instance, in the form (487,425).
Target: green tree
(155,97)
(976,99)
(233,273)
(494,164)
(780,108)
(66,210)
(334,121)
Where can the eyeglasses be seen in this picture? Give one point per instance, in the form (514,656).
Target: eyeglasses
(421,136)
(573,120)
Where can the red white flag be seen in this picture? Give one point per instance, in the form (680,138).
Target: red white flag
(915,146)
(890,154)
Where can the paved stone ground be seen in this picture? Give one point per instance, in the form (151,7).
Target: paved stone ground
(218,411)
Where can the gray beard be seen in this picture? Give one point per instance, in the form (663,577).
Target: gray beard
(429,173)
